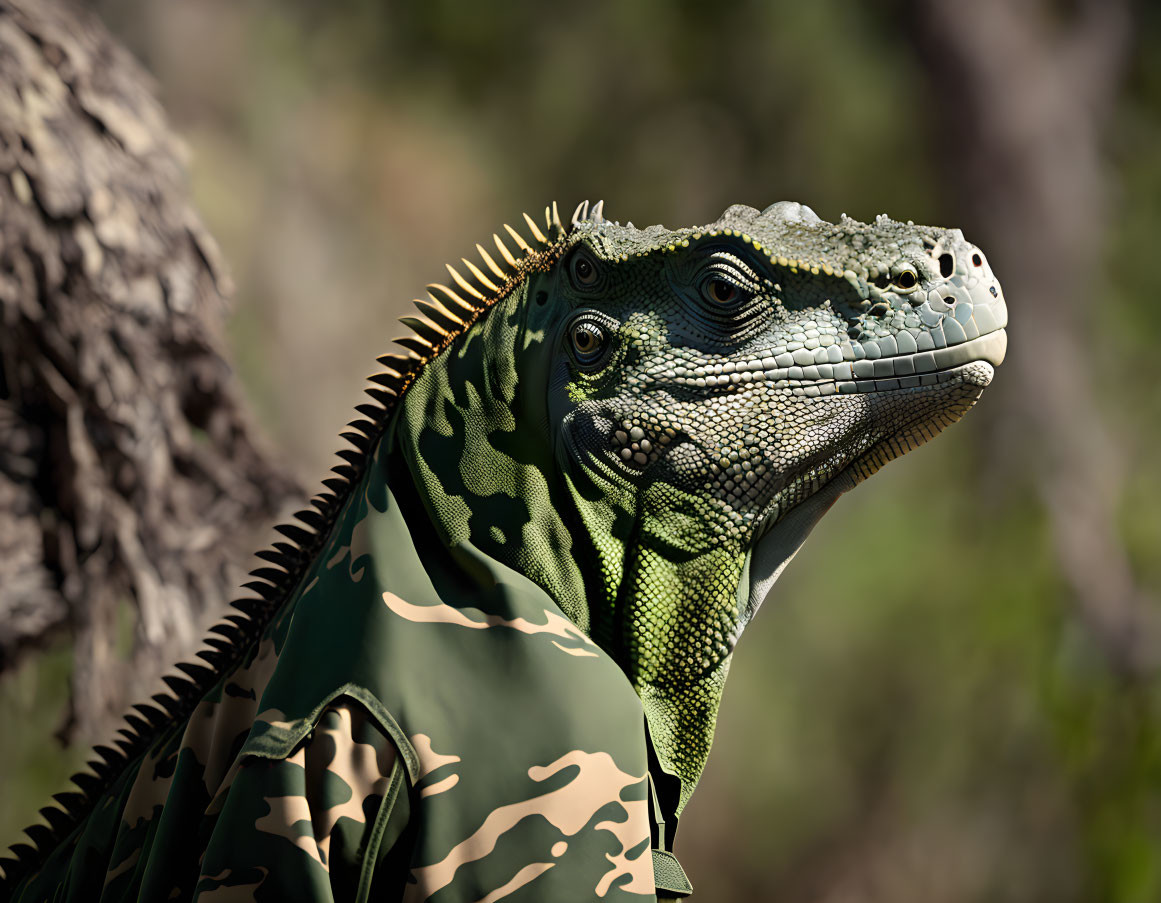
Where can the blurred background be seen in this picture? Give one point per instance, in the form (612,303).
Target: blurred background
(953,693)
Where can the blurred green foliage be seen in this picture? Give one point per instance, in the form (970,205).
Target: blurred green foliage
(917,714)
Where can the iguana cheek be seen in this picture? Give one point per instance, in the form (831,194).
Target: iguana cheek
(639,442)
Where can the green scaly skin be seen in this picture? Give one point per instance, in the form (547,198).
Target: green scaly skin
(583,479)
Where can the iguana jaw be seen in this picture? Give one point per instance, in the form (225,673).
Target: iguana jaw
(969,369)
(780,538)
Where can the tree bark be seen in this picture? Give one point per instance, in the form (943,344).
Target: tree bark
(1022,91)
(132,477)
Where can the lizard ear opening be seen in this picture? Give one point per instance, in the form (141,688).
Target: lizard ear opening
(584,270)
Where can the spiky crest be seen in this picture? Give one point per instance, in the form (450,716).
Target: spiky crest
(445,317)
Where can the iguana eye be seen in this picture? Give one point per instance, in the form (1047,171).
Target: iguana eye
(721,292)
(583,270)
(588,341)
(726,283)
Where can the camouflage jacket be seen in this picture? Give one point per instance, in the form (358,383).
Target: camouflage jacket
(382,743)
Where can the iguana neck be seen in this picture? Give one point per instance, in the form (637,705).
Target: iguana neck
(474,434)
(473,429)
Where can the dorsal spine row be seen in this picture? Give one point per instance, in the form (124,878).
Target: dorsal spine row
(446,314)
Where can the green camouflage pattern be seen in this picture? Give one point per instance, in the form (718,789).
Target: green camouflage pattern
(360,724)
(491,668)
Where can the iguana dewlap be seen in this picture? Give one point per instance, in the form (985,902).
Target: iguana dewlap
(489,664)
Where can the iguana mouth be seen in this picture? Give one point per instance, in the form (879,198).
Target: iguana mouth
(885,374)
(924,368)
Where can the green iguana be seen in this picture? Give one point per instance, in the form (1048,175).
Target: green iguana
(488,664)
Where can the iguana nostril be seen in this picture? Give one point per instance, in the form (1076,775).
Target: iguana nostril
(907,280)
(946,265)
(977,261)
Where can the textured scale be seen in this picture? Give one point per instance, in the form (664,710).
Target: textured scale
(571,491)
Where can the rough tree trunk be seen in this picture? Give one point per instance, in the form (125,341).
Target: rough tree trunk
(1025,89)
(130,472)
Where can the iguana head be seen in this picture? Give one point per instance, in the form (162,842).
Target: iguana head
(669,412)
